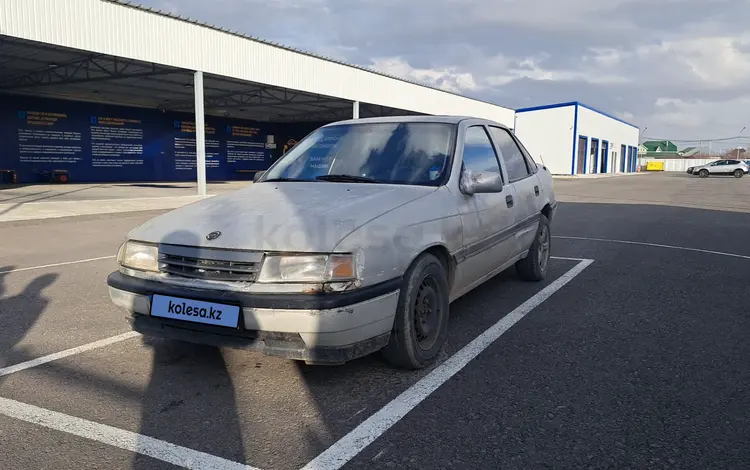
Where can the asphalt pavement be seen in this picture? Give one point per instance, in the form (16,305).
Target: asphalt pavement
(640,360)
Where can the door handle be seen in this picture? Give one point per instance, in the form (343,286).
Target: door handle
(509,201)
(536,190)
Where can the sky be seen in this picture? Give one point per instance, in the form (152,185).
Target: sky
(679,69)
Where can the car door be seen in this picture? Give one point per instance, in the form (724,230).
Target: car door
(488,241)
(717,167)
(522,175)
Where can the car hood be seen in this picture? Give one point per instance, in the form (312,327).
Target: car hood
(285,216)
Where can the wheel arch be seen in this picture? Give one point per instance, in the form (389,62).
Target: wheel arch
(547,210)
(443,255)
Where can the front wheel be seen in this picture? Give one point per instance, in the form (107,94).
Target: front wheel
(703,173)
(739,173)
(534,266)
(421,324)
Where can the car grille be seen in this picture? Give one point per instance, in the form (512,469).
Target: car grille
(183,264)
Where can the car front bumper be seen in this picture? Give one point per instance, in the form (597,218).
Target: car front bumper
(330,327)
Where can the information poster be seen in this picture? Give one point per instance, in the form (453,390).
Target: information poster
(246,146)
(48,138)
(185,156)
(116,142)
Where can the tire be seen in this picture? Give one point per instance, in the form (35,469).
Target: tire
(703,173)
(739,173)
(534,266)
(420,328)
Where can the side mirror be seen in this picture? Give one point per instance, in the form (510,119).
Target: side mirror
(258,175)
(477,182)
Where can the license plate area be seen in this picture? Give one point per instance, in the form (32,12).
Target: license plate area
(195,311)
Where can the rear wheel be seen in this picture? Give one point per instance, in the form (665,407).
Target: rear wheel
(739,173)
(421,324)
(534,266)
(703,173)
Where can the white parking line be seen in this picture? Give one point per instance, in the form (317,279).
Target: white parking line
(158,449)
(567,259)
(655,245)
(363,435)
(56,264)
(68,352)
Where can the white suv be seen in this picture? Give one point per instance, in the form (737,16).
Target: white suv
(736,168)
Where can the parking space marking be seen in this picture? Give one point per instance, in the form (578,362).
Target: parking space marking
(57,264)
(656,245)
(563,258)
(127,440)
(68,352)
(363,435)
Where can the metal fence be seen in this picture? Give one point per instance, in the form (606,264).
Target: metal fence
(676,164)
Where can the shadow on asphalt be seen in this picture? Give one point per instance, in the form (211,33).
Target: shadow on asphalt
(206,380)
(19,313)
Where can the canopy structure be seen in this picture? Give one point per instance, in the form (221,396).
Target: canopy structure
(115,52)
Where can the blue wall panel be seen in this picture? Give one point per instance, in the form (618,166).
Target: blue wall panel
(100,143)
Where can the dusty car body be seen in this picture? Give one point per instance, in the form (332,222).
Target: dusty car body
(355,241)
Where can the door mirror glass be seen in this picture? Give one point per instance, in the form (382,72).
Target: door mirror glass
(478,182)
(258,175)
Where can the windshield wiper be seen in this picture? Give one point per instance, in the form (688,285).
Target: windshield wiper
(274,180)
(347,178)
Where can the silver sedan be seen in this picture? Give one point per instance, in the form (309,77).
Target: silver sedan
(355,241)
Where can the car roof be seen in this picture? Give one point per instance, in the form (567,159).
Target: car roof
(445,119)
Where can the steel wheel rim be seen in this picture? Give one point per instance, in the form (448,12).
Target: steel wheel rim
(427,313)
(544,247)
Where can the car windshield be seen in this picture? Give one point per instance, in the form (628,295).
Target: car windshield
(415,153)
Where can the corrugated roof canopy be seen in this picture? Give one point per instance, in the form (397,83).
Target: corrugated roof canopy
(164,50)
(35,69)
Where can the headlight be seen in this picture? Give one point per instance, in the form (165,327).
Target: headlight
(308,268)
(140,256)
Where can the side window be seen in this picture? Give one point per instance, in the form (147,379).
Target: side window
(515,162)
(530,163)
(479,155)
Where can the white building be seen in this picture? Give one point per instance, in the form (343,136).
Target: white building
(573,138)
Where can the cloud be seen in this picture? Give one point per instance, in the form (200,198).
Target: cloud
(679,67)
(448,78)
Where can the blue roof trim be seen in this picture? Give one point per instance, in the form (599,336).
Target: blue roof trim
(547,106)
(574,103)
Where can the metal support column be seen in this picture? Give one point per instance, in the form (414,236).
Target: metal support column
(200,134)
(355,110)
